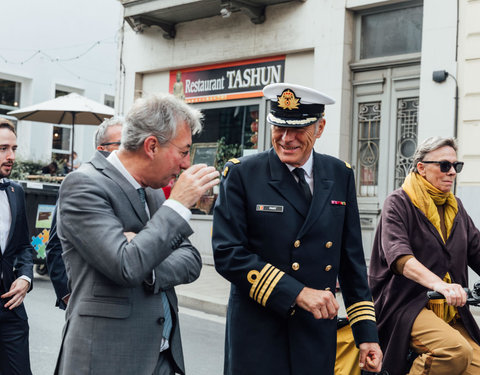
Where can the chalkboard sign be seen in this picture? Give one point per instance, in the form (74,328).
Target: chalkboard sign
(204,153)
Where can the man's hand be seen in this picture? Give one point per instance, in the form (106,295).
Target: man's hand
(17,291)
(193,183)
(370,357)
(321,303)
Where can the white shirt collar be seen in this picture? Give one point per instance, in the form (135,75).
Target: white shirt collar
(307,167)
(115,161)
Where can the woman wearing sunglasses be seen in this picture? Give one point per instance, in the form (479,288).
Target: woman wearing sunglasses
(424,241)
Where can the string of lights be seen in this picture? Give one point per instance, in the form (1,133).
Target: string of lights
(58,60)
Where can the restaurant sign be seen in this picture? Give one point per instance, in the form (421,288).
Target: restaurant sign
(237,80)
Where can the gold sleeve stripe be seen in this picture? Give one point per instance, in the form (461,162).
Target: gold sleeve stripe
(360,313)
(261,285)
(364,317)
(267,285)
(360,308)
(258,278)
(360,304)
(264,282)
(273,284)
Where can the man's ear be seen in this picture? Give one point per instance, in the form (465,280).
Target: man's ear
(321,126)
(150,146)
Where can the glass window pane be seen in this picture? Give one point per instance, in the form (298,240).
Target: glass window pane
(9,94)
(61,138)
(369,115)
(59,93)
(234,130)
(407,129)
(109,100)
(391,32)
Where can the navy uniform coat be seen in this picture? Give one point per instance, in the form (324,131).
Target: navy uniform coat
(270,244)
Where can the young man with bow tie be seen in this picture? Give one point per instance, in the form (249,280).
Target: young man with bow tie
(16,263)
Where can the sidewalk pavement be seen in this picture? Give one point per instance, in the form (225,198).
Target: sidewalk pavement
(209,294)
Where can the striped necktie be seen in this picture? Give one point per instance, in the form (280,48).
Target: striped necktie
(167,324)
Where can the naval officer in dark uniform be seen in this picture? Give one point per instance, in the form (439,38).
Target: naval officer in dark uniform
(285,226)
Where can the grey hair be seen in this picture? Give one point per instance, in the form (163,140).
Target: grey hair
(429,145)
(103,128)
(158,115)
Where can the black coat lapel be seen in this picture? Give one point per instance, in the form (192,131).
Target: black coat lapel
(12,200)
(322,190)
(284,182)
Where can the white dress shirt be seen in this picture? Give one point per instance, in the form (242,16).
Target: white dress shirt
(5,218)
(5,224)
(308,168)
(179,208)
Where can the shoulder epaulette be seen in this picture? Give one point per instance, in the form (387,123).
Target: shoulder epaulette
(348,165)
(232,160)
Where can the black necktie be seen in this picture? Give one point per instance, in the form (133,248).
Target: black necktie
(4,185)
(167,324)
(300,173)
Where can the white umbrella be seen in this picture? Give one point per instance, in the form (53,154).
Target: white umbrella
(69,109)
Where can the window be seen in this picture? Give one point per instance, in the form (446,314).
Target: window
(109,100)
(235,129)
(61,136)
(407,129)
(9,96)
(228,132)
(369,116)
(391,32)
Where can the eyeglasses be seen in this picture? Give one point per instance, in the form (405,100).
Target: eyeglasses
(445,165)
(182,152)
(110,143)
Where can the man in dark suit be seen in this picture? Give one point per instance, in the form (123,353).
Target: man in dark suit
(107,139)
(285,225)
(125,247)
(16,263)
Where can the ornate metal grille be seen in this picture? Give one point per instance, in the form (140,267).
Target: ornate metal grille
(368,147)
(407,131)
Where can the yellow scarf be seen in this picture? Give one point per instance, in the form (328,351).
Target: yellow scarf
(426,197)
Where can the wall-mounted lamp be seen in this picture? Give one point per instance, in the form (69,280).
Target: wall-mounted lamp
(440,76)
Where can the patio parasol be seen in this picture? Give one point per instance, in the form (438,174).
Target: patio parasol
(70,109)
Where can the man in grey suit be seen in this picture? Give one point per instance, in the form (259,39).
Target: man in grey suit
(125,247)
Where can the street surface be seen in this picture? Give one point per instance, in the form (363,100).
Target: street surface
(202,334)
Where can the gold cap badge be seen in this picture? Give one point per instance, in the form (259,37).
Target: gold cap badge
(288,100)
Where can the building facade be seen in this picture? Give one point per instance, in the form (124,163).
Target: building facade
(53,48)
(377,58)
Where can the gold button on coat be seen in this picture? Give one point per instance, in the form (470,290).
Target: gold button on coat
(295,266)
(329,244)
(328,289)
(296,243)
(328,268)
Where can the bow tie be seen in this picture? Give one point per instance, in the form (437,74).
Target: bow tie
(4,185)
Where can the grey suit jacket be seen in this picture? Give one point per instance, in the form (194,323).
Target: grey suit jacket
(113,322)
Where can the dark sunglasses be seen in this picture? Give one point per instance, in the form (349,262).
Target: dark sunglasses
(445,165)
(110,143)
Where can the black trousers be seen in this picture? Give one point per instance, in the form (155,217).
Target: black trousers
(14,347)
